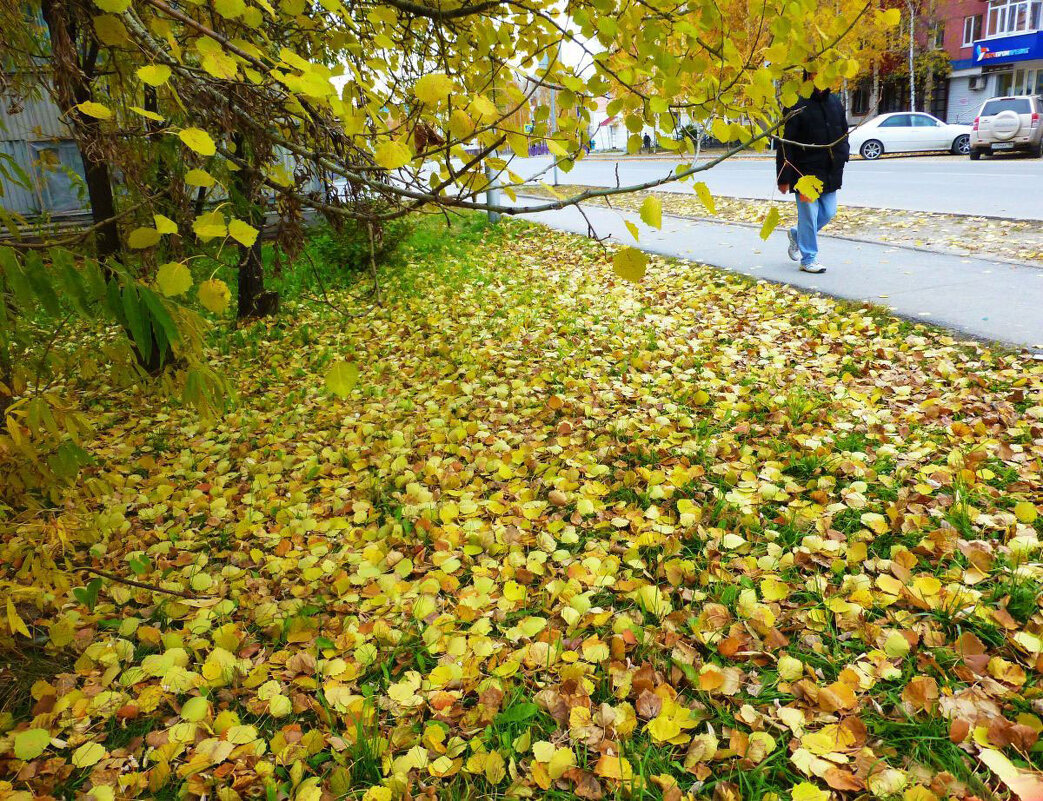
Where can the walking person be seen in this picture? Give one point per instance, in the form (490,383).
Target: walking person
(814,142)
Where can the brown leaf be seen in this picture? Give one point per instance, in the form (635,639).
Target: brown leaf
(587,785)
(843,780)
(958,730)
(648,705)
(921,693)
(554,705)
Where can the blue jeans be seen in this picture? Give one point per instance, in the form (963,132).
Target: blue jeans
(812,218)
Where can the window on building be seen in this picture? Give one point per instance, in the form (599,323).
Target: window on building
(939,36)
(1008,17)
(971,29)
(860,102)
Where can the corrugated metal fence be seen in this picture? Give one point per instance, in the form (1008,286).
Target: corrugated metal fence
(36,147)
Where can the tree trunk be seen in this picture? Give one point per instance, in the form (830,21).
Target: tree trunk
(874,97)
(72,83)
(254,301)
(73,77)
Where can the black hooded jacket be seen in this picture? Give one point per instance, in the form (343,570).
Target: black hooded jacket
(817,120)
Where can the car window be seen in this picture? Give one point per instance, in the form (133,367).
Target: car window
(923,121)
(1019,105)
(897,121)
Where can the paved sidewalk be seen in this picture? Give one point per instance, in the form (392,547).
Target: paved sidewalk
(981,298)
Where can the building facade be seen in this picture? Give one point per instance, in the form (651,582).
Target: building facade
(996,49)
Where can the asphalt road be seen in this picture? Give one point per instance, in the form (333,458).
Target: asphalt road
(1001,187)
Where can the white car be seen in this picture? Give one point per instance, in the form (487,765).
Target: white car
(908,132)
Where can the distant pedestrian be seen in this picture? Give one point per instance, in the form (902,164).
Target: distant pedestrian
(814,142)
(648,143)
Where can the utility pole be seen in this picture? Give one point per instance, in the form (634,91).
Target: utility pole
(554,127)
(492,192)
(912,72)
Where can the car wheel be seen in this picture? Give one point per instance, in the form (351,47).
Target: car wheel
(975,155)
(1037,151)
(962,145)
(873,149)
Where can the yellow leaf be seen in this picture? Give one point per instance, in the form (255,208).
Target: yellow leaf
(392,155)
(29,744)
(652,212)
(342,377)
(113,6)
(806,791)
(875,522)
(1025,512)
(892,17)
(149,115)
(110,30)
(214,295)
(543,750)
(483,108)
(165,225)
(557,148)
(771,222)
(173,279)
(896,646)
(154,75)
(703,193)
(633,229)
(88,754)
(230,9)
(279,706)
(774,590)
(14,622)
(96,110)
(199,178)
(810,187)
(433,88)
(663,728)
(630,264)
(198,140)
(220,65)
(143,238)
(562,760)
(461,127)
(195,709)
(610,766)
(495,768)
(242,232)
(209,226)
(790,668)
(918,793)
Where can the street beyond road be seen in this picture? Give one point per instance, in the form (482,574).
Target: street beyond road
(1002,187)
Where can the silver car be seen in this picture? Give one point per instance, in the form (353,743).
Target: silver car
(1008,124)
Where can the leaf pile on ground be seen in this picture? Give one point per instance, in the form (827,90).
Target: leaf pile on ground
(981,237)
(565,536)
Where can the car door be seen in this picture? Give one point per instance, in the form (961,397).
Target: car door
(928,133)
(896,132)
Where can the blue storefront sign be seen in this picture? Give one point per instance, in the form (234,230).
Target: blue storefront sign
(1008,49)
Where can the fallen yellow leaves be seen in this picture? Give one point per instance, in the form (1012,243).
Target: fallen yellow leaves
(557,533)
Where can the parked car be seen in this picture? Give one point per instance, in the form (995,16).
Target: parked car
(1006,124)
(908,133)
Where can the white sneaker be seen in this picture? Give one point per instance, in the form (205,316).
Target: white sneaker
(794,249)
(814,267)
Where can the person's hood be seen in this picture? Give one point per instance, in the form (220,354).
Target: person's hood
(820,94)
